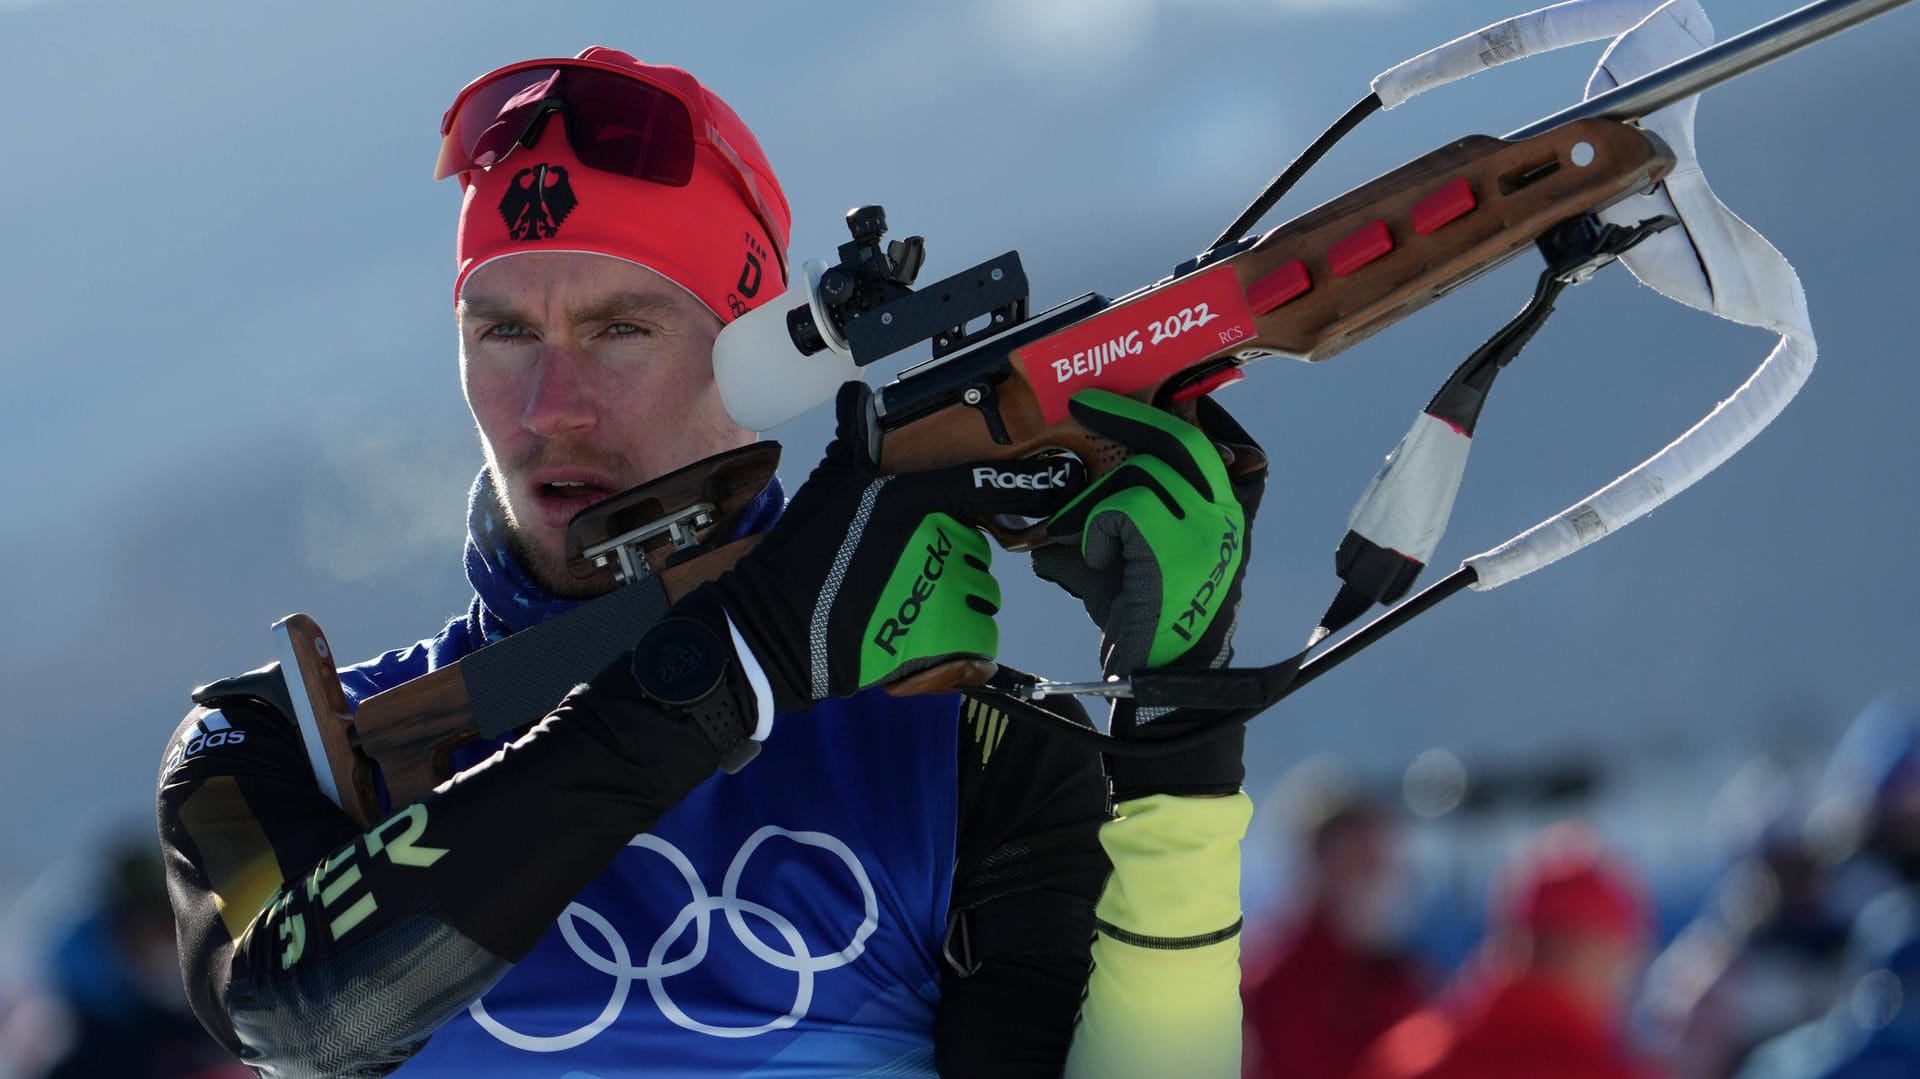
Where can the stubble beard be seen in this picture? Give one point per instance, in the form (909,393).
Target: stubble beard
(548,568)
(545,563)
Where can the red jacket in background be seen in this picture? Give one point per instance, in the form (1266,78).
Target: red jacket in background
(1521,1028)
(1314,1003)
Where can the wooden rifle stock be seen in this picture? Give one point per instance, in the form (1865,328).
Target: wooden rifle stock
(1519,189)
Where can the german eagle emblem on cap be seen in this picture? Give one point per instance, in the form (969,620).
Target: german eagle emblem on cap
(537,202)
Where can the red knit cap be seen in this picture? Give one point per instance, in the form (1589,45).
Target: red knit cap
(708,236)
(1567,884)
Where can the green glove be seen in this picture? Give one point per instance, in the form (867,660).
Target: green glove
(1157,549)
(868,578)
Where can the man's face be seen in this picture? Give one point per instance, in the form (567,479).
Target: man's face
(1362,880)
(587,375)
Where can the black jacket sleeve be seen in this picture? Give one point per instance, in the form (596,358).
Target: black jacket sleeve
(311,948)
(1029,868)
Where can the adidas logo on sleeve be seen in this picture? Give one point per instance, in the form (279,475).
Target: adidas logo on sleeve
(212,732)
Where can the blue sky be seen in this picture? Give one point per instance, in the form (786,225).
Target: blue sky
(229,388)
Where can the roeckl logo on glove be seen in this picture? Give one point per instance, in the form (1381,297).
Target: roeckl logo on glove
(902,621)
(1203,596)
(1051,480)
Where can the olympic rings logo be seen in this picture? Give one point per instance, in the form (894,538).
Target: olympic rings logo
(618,962)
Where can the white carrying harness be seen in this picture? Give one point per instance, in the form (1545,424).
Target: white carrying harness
(1714,261)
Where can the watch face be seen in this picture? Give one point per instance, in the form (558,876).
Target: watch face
(680,660)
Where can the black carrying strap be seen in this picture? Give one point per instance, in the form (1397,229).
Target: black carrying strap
(1205,701)
(516,680)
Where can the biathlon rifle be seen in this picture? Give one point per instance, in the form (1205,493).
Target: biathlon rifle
(1609,179)
(1601,181)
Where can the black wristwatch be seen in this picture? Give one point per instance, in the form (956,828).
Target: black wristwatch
(688,669)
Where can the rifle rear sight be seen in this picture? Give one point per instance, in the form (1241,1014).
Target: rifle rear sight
(870,300)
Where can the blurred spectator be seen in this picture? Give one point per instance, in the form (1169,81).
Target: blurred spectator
(33,1031)
(1873,1030)
(1568,933)
(1765,954)
(1873,782)
(117,974)
(1335,978)
(1887,1002)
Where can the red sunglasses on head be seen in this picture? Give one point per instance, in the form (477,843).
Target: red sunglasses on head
(617,120)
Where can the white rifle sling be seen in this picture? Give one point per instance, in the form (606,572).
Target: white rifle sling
(1575,22)
(1745,280)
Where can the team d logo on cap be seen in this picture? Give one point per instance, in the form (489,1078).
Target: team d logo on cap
(537,202)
